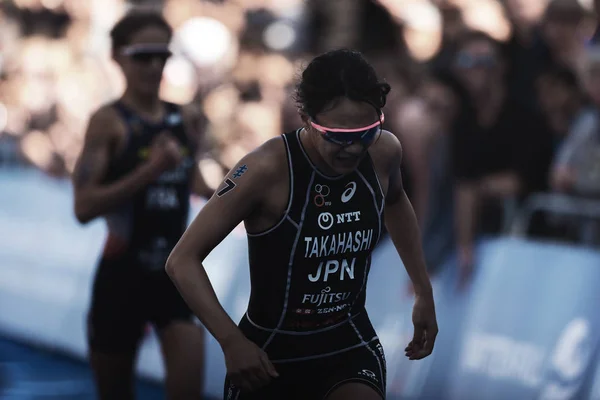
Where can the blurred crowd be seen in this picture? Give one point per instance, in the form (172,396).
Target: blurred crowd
(492,99)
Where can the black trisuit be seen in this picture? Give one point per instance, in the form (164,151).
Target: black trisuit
(131,287)
(308,281)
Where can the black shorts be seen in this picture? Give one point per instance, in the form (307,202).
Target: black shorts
(125,298)
(316,379)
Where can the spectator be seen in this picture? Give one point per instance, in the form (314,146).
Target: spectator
(248,78)
(576,168)
(596,35)
(561,100)
(501,148)
(527,51)
(562,29)
(453,25)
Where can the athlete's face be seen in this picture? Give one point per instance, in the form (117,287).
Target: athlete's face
(342,151)
(144,58)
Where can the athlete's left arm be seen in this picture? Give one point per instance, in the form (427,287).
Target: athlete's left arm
(194,123)
(401,222)
(403,228)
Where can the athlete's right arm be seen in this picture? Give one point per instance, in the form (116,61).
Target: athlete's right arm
(241,195)
(92,197)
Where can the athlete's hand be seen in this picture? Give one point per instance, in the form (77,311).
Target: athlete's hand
(426,328)
(165,152)
(248,367)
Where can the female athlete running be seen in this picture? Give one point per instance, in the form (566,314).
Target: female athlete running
(137,170)
(313,204)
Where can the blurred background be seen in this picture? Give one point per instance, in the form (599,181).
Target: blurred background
(496,103)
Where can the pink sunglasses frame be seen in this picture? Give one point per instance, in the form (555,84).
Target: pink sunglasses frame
(323,129)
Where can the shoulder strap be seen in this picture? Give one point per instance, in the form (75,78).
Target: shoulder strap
(301,174)
(367,171)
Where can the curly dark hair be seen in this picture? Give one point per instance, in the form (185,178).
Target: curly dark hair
(132,23)
(339,73)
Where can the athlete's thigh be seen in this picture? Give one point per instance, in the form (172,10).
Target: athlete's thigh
(273,391)
(360,371)
(289,385)
(182,341)
(115,322)
(163,302)
(114,330)
(354,391)
(113,374)
(182,344)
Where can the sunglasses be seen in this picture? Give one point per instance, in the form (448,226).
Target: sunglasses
(468,61)
(148,53)
(345,137)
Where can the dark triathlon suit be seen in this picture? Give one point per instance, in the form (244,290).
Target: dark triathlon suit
(131,287)
(308,281)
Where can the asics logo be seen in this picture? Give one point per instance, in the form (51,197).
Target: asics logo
(368,374)
(349,192)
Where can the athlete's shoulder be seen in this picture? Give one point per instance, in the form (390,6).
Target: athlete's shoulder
(270,157)
(264,165)
(105,113)
(387,151)
(105,122)
(387,140)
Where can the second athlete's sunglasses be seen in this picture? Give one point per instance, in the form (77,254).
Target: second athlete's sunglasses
(147,52)
(345,137)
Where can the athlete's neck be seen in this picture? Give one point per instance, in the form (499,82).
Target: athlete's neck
(149,107)
(314,155)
